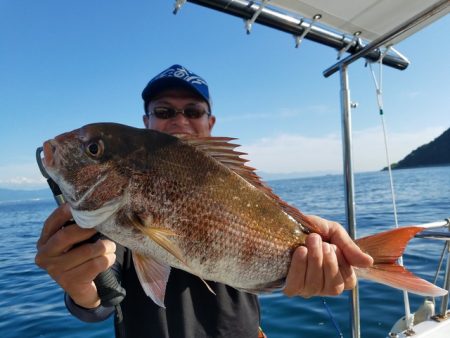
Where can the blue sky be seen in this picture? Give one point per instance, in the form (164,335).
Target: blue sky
(64,64)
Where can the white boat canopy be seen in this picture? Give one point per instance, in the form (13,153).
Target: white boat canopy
(369,18)
(346,25)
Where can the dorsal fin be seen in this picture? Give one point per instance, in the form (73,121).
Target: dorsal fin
(222,150)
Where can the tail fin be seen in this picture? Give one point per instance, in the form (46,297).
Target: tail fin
(385,248)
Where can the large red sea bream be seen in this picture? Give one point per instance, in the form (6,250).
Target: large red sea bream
(191,203)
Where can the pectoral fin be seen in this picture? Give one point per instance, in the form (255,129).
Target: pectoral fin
(161,237)
(154,289)
(153,277)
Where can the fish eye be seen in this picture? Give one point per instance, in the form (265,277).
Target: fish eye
(95,149)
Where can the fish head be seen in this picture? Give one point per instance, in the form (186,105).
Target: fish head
(90,165)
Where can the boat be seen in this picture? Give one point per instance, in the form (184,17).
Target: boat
(366,29)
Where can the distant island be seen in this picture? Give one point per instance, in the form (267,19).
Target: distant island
(435,153)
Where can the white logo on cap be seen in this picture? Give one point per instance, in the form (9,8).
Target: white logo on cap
(184,74)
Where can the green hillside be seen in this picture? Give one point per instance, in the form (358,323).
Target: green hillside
(435,153)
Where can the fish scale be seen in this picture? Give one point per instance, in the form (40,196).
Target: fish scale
(193,198)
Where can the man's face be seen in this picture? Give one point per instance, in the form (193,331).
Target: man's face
(179,99)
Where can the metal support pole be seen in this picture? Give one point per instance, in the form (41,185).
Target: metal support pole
(349,187)
(444,304)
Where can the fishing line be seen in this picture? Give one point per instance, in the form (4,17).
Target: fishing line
(118,322)
(379,94)
(333,320)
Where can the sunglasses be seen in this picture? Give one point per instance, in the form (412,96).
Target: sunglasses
(165,113)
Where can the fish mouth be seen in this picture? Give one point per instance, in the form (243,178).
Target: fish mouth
(51,158)
(52,163)
(49,154)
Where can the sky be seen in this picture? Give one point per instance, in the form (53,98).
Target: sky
(64,64)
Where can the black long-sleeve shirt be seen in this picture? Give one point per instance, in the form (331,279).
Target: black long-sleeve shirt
(191,309)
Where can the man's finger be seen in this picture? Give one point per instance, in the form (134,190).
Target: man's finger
(314,275)
(86,252)
(295,280)
(53,223)
(85,273)
(346,271)
(348,247)
(333,281)
(64,239)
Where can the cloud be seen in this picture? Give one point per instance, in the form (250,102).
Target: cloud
(287,153)
(22,176)
(413,94)
(20,180)
(284,113)
(245,117)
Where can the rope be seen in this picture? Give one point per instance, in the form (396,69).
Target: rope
(333,320)
(379,93)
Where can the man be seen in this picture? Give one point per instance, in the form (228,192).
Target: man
(178,101)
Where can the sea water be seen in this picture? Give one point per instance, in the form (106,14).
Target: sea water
(31,304)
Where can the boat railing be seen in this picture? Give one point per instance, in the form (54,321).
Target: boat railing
(440,231)
(403,328)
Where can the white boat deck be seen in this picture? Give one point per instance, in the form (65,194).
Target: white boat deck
(428,329)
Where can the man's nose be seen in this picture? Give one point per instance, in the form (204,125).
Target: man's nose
(179,117)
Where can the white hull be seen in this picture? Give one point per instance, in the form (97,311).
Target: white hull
(428,329)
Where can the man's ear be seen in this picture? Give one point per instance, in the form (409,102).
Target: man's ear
(146,122)
(211,122)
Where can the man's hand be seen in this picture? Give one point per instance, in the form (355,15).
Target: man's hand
(325,269)
(73,269)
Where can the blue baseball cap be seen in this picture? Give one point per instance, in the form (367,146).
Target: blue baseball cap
(176,76)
